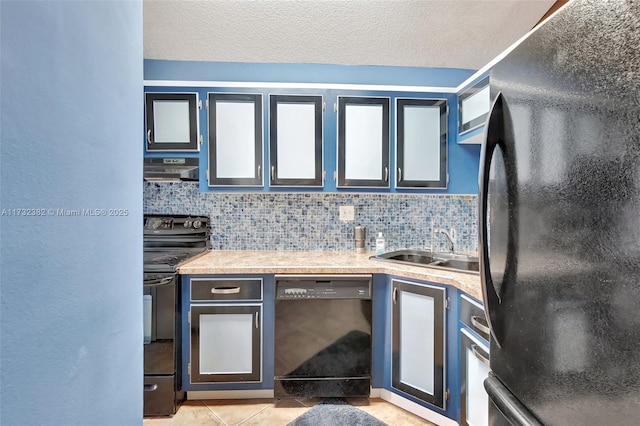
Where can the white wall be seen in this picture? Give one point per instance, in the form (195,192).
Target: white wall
(71,130)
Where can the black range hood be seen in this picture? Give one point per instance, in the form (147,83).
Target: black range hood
(171,169)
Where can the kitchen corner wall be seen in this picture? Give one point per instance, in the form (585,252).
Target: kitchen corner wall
(71,301)
(310,221)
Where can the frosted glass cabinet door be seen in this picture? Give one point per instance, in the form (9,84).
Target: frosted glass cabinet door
(473,106)
(225,343)
(295,140)
(421,143)
(363,142)
(474,368)
(172,121)
(418,341)
(235,139)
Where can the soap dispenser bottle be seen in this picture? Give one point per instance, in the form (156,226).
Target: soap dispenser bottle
(380,244)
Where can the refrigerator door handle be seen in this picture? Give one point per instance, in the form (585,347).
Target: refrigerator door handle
(511,408)
(493,133)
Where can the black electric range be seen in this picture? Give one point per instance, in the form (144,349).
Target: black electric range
(168,241)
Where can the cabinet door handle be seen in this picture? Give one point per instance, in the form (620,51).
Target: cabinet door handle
(481,324)
(149,136)
(273,172)
(225,290)
(257,321)
(476,352)
(395,295)
(259,169)
(399,174)
(386,174)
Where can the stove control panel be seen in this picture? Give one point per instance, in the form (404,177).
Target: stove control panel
(194,223)
(158,223)
(178,223)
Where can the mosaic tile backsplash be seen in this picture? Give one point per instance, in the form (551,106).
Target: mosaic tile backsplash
(310,221)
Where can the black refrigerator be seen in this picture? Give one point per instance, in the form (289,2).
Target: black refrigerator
(559,225)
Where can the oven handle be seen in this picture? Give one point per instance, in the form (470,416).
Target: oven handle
(151,387)
(158,282)
(163,240)
(225,290)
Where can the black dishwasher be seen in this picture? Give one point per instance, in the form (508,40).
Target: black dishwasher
(322,336)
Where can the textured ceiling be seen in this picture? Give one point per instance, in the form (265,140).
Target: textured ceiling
(413,33)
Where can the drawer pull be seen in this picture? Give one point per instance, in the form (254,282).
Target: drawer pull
(477,352)
(225,290)
(481,324)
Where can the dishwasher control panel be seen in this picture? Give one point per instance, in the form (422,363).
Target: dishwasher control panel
(315,287)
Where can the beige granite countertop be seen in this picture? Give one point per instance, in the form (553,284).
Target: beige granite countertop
(321,262)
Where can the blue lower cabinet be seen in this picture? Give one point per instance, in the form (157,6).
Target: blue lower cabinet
(474,362)
(421,369)
(227,332)
(422,334)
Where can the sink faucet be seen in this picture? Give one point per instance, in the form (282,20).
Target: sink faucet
(451,235)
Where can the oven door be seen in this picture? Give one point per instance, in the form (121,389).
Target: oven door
(162,382)
(159,313)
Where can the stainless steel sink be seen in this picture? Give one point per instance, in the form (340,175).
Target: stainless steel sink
(447,261)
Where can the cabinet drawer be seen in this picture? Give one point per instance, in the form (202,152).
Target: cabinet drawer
(226,289)
(160,396)
(472,315)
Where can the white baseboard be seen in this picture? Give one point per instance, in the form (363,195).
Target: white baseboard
(231,394)
(414,408)
(375,393)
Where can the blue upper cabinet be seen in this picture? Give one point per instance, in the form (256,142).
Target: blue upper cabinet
(268,128)
(363,142)
(473,107)
(296,141)
(235,139)
(421,143)
(172,122)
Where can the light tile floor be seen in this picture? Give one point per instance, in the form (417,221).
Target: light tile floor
(273,412)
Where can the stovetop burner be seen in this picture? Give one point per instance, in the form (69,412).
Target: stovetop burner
(160,261)
(157,258)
